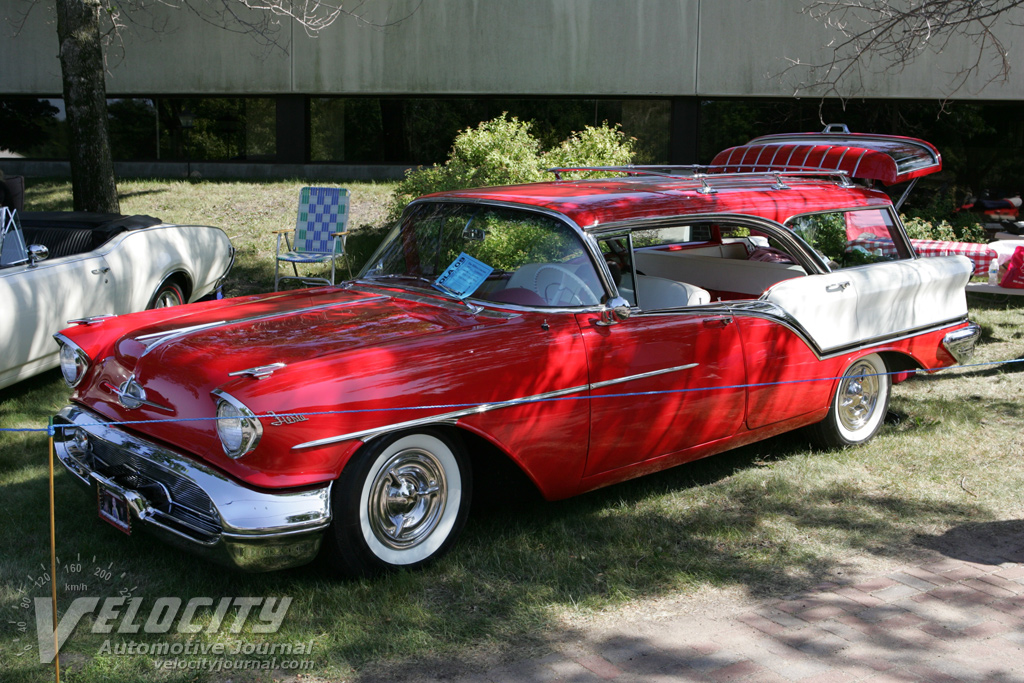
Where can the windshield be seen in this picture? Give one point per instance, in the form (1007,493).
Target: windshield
(488,253)
(12,243)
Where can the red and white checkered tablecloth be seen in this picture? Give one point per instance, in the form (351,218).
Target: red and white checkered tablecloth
(980,254)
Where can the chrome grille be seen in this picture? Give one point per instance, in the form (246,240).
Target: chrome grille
(178,498)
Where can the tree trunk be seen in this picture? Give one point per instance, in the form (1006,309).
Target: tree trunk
(85,103)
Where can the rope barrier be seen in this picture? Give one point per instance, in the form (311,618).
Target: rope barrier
(51,429)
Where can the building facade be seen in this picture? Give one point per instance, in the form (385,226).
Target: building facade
(378,92)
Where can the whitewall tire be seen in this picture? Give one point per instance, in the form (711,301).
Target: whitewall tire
(400,503)
(859,405)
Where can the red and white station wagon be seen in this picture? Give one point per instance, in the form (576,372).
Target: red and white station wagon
(586,331)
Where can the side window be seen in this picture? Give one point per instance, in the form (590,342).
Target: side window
(759,246)
(852,238)
(676,234)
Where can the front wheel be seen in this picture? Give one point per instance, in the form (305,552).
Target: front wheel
(858,407)
(400,503)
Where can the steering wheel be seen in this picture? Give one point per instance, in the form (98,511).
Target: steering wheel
(558,285)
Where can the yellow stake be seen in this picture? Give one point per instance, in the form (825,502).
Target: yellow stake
(53,563)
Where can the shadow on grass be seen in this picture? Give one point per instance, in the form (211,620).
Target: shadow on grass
(726,521)
(676,532)
(139,193)
(990,543)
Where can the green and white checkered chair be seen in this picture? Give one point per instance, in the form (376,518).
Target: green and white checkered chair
(319,234)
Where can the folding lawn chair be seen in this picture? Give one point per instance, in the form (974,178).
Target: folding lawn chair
(319,234)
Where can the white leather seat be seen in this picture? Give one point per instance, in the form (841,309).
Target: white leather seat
(658,293)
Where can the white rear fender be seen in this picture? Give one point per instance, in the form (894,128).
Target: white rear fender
(877,300)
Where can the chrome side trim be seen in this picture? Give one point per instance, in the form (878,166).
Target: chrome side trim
(448,418)
(227,271)
(453,416)
(960,343)
(168,335)
(160,338)
(645,375)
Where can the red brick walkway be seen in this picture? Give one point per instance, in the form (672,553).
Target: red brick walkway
(939,621)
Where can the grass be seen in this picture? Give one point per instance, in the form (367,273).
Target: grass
(759,521)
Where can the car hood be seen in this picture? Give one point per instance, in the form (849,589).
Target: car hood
(178,361)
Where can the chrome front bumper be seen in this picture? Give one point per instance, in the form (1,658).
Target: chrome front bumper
(960,343)
(189,504)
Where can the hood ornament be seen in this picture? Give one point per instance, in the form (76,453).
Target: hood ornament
(259,372)
(93,320)
(131,395)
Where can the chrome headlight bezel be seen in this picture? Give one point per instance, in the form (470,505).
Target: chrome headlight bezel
(74,362)
(238,428)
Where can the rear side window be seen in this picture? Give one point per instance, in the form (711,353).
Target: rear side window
(853,238)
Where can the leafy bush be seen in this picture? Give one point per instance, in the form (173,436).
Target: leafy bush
(504,152)
(959,230)
(939,220)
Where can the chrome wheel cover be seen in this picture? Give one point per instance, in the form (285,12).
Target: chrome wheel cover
(407,499)
(858,396)
(166,299)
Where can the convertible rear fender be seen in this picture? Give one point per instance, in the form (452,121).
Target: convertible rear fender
(190,251)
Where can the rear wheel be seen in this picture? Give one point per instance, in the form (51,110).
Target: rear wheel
(168,295)
(400,503)
(858,407)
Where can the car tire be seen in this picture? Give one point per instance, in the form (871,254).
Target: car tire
(399,503)
(858,407)
(168,295)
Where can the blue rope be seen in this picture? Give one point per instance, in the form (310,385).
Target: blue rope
(451,406)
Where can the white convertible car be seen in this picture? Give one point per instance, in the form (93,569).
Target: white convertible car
(56,267)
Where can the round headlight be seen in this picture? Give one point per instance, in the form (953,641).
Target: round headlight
(73,363)
(237,427)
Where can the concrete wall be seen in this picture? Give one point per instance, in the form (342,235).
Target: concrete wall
(512,47)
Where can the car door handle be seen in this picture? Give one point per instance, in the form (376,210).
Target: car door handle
(101,271)
(718,322)
(837,287)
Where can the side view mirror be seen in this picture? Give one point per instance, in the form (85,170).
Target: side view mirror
(37,253)
(615,311)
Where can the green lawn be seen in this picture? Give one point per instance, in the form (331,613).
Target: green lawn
(761,520)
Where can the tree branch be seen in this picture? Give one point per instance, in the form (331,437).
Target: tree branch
(886,36)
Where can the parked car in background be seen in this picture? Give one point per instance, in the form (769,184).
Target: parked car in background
(584,331)
(57,267)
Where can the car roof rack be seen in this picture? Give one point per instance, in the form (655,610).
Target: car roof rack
(709,177)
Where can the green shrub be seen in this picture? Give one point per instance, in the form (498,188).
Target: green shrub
(504,152)
(958,230)
(939,220)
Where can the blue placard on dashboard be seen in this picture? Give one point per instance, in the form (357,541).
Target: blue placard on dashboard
(463,276)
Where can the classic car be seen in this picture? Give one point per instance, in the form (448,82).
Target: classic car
(58,266)
(583,331)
